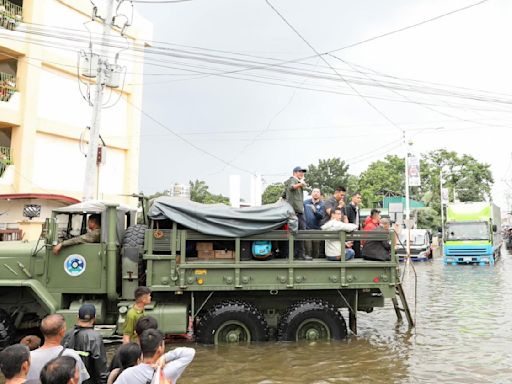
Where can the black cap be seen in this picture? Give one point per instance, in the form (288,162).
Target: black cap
(87,312)
(299,169)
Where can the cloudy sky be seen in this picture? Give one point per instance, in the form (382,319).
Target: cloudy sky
(242,90)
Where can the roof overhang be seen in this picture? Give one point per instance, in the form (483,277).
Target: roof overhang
(41,196)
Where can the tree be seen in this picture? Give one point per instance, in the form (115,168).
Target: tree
(272,193)
(199,193)
(382,176)
(464,176)
(327,175)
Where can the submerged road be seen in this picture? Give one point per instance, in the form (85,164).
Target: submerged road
(463,335)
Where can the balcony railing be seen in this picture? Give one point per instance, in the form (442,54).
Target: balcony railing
(10,14)
(7,86)
(5,159)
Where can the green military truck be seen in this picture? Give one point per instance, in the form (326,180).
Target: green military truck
(197,261)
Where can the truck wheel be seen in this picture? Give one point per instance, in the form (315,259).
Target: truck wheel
(232,322)
(7,330)
(312,319)
(134,238)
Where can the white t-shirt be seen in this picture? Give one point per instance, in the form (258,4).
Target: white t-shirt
(333,247)
(176,362)
(39,357)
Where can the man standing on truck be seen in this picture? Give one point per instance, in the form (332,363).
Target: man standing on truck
(314,212)
(294,190)
(89,344)
(92,236)
(142,298)
(352,210)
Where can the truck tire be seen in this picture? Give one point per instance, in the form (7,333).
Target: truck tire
(7,330)
(311,319)
(232,321)
(134,238)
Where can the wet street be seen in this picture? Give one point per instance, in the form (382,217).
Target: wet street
(463,335)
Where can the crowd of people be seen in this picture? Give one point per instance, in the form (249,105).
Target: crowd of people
(78,355)
(333,214)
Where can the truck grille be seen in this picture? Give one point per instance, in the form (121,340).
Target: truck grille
(466,251)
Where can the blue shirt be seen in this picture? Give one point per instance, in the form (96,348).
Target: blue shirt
(314,215)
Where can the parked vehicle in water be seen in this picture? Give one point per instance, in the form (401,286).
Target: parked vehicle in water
(227,298)
(420,245)
(472,233)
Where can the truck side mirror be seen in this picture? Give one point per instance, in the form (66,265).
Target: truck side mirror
(494,228)
(439,229)
(50,231)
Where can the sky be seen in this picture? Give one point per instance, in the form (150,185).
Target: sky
(220,104)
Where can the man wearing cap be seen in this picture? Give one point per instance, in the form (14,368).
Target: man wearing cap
(89,344)
(295,196)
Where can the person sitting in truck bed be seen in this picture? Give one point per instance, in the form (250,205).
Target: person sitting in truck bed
(333,248)
(378,250)
(92,236)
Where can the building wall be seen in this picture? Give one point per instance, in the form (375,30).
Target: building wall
(48,114)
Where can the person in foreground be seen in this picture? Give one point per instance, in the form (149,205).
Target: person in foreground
(15,363)
(61,370)
(173,363)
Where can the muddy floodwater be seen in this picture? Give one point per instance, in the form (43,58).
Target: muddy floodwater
(463,335)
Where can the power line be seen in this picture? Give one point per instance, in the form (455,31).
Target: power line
(408,27)
(333,69)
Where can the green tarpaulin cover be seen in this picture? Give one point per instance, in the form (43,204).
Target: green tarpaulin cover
(222,220)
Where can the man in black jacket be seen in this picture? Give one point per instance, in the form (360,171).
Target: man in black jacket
(379,250)
(352,210)
(89,345)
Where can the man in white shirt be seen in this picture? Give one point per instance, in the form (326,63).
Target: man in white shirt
(173,363)
(333,248)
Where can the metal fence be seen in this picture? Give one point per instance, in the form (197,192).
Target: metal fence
(10,14)
(7,86)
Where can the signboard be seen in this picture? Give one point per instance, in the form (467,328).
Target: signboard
(445,196)
(413,171)
(396,212)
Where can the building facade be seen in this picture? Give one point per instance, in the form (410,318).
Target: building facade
(45,106)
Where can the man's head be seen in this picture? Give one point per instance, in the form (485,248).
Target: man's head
(299,172)
(144,323)
(152,343)
(336,214)
(339,193)
(375,215)
(15,361)
(94,221)
(142,295)
(61,370)
(356,198)
(316,194)
(87,314)
(31,341)
(129,355)
(53,327)
(385,223)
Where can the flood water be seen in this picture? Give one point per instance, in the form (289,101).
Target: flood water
(463,335)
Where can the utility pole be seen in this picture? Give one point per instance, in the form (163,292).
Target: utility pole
(91,170)
(407,202)
(442,203)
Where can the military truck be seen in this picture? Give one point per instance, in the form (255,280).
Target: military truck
(225,299)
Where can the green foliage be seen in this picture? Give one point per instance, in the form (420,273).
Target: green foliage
(327,175)
(382,176)
(428,218)
(272,193)
(199,193)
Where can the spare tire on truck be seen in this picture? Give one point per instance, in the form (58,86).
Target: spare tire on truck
(7,330)
(134,238)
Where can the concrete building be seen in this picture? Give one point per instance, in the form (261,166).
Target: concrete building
(43,114)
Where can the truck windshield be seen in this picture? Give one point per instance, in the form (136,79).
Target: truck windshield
(467,231)
(416,239)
